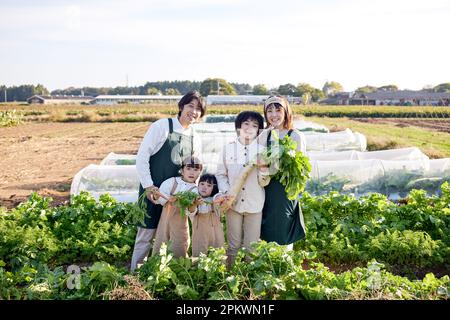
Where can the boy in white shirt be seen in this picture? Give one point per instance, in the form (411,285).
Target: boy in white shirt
(245,209)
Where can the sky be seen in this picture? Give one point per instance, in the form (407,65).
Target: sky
(104,43)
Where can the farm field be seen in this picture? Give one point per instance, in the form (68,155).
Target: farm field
(46,155)
(367,248)
(430,135)
(136,113)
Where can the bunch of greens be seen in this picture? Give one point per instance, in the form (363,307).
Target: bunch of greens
(138,210)
(290,167)
(125,162)
(185,199)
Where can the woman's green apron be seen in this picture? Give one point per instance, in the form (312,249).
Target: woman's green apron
(166,164)
(282,219)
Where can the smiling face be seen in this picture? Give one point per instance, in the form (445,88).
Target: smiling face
(190,173)
(249,130)
(191,113)
(275,116)
(205,188)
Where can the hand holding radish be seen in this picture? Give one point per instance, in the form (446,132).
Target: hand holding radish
(226,202)
(153,194)
(262,165)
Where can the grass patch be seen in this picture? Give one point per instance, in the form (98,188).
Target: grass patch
(389,136)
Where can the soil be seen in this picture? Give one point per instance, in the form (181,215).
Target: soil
(442,125)
(44,157)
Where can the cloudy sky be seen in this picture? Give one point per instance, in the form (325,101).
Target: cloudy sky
(101,43)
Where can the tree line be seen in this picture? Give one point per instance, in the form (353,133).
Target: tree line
(210,86)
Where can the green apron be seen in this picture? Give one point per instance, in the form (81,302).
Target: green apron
(282,219)
(166,164)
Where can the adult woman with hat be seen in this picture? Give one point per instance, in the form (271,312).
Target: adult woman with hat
(166,143)
(282,219)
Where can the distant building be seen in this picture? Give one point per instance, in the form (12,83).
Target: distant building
(134,99)
(42,99)
(390,98)
(244,99)
(402,98)
(340,98)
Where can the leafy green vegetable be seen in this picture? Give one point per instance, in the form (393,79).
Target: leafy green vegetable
(185,199)
(291,168)
(125,162)
(376,236)
(138,210)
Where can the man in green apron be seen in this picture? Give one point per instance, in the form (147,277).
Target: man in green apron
(165,145)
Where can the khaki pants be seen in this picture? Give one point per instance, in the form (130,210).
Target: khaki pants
(242,230)
(142,246)
(207,231)
(173,228)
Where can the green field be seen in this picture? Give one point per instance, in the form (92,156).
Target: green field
(390,136)
(380,135)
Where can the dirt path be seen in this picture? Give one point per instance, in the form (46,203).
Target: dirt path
(44,157)
(442,125)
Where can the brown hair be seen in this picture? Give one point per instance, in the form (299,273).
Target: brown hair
(188,97)
(288,114)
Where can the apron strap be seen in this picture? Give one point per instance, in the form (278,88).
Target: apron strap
(174,186)
(269,142)
(170,125)
(192,141)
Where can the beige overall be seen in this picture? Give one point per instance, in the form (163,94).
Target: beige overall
(174,228)
(207,231)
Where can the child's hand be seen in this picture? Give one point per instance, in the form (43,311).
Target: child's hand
(219,200)
(262,165)
(172,199)
(192,208)
(227,202)
(199,201)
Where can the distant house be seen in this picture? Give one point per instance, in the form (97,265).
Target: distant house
(236,99)
(401,98)
(244,99)
(134,99)
(42,99)
(340,98)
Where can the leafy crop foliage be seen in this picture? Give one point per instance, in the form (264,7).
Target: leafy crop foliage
(39,243)
(342,228)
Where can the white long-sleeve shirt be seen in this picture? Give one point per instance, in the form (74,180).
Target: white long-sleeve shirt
(154,140)
(234,157)
(167,185)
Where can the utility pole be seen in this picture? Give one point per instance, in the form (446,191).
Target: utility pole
(6,97)
(218,87)
(127,81)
